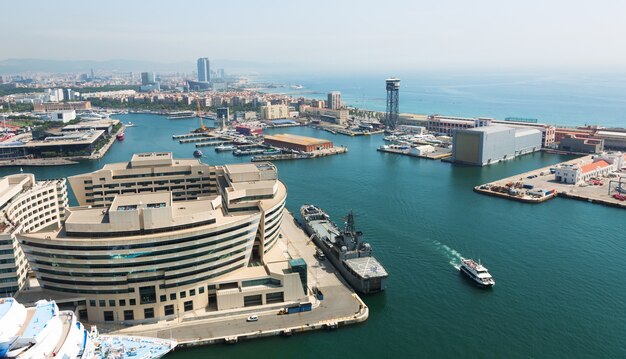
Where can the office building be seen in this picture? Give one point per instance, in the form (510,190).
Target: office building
(62,106)
(334,100)
(204,70)
(491,144)
(273,112)
(572,143)
(25,205)
(53,95)
(149,83)
(144,256)
(445,125)
(147,78)
(339,117)
(64,116)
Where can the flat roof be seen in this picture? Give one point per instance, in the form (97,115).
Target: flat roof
(488,129)
(67,138)
(241,168)
(299,140)
(90,124)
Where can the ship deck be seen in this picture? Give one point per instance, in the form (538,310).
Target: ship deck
(139,347)
(367,267)
(324,227)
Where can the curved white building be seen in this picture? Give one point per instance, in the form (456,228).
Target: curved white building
(25,205)
(145,256)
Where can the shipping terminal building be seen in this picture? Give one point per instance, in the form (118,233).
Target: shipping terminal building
(156,237)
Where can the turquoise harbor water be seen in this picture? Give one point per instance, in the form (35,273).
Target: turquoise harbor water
(560,266)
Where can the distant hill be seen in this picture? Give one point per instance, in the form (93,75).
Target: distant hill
(14,66)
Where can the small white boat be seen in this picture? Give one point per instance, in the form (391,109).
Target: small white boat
(476,272)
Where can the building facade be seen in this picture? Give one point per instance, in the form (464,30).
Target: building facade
(572,143)
(445,125)
(486,145)
(274,112)
(25,206)
(144,256)
(339,117)
(601,165)
(62,106)
(147,78)
(334,100)
(204,70)
(186,179)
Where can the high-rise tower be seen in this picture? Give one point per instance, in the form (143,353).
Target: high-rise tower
(334,100)
(393,90)
(204,71)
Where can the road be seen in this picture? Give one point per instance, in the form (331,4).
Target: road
(339,304)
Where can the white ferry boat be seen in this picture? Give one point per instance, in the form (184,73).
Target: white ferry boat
(476,272)
(45,332)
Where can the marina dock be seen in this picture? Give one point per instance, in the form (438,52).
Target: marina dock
(540,185)
(300,156)
(189,135)
(339,307)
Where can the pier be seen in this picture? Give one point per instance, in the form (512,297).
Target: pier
(540,185)
(213,143)
(300,156)
(341,306)
(189,135)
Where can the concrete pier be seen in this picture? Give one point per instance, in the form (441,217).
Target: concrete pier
(543,179)
(340,306)
(300,156)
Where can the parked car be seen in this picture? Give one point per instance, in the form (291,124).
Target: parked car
(253,318)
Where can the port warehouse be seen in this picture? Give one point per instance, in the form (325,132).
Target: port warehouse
(136,250)
(297,143)
(485,145)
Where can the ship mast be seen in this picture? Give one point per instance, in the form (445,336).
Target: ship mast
(350,223)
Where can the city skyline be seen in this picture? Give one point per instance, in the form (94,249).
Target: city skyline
(399,36)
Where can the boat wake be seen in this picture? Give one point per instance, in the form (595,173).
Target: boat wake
(453,256)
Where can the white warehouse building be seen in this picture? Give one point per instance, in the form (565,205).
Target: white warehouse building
(491,144)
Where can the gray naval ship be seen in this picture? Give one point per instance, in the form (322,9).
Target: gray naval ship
(346,249)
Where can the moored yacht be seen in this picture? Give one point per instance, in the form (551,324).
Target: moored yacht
(476,272)
(40,334)
(45,332)
(12,317)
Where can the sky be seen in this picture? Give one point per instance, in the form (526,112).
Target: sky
(394,35)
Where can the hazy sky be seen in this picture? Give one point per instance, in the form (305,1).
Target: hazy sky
(324,34)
